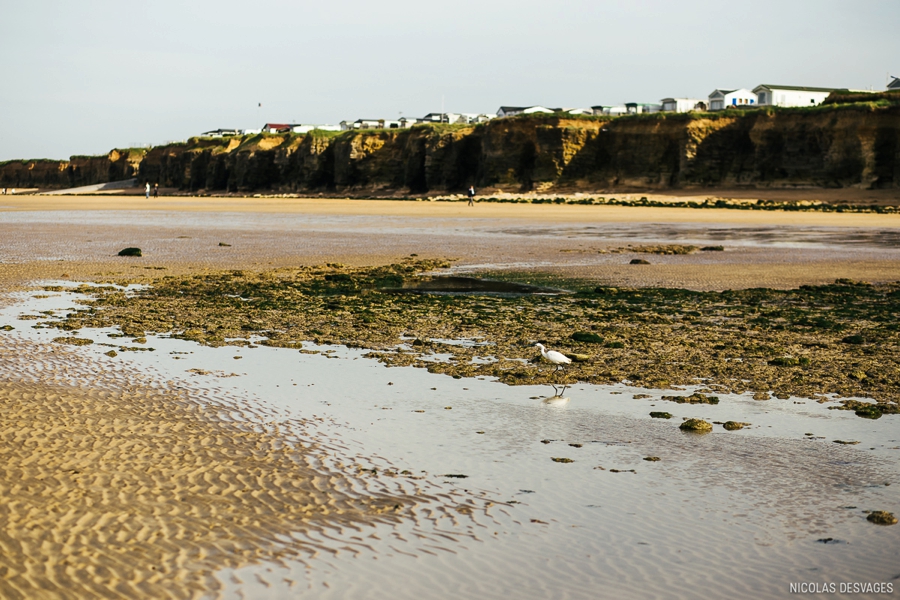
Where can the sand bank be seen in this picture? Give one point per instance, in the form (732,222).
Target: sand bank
(407,208)
(78,237)
(113,487)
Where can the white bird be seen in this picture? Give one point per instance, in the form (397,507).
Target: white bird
(553,356)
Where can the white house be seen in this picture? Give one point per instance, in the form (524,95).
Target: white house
(472,118)
(308,128)
(681,105)
(364,124)
(636,108)
(790,95)
(509,111)
(575,111)
(895,84)
(722,99)
(217,133)
(441,118)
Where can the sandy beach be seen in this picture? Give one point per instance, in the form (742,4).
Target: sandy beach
(120,482)
(80,236)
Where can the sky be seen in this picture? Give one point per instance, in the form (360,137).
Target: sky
(86,77)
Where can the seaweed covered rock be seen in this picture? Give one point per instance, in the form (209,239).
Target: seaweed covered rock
(696,425)
(130,252)
(881,517)
(695,398)
(587,337)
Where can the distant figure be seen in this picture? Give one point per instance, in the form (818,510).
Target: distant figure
(13,191)
(147,190)
(471,195)
(156,190)
(4,191)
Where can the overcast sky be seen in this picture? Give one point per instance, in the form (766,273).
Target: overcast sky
(85,77)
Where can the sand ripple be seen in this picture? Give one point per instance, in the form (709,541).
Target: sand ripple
(117,488)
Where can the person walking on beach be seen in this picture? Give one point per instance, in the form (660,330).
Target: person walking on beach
(471,195)
(156,190)
(147,190)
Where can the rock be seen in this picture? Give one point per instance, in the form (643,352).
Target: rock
(577,357)
(587,337)
(224,245)
(854,339)
(789,361)
(111,353)
(639,261)
(761,396)
(641,396)
(561,460)
(846,443)
(576,445)
(695,398)
(697,425)
(74,341)
(456,475)
(881,517)
(712,249)
(130,252)
(733,425)
(661,415)
(651,458)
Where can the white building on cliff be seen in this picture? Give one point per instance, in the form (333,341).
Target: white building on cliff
(682,105)
(790,95)
(722,99)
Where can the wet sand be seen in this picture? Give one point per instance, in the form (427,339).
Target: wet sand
(80,236)
(114,485)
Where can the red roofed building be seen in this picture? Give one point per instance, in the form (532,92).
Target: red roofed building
(277,128)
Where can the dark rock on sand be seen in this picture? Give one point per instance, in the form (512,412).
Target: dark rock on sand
(661,415)
(881,517)
(639,261)
(130,252)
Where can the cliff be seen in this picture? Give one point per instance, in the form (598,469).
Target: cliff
(834,146)
(77,171)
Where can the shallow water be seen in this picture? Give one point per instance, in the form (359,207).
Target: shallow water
(726,514)
(773,236)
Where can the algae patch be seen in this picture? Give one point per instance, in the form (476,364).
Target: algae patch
(787,343)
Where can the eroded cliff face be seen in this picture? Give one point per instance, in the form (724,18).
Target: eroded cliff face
(836,146)
(75,172)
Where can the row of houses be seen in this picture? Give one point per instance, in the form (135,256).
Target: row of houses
(720,99)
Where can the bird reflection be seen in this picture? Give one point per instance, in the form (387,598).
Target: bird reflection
(557,399)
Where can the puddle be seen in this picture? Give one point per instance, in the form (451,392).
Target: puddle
(578,508)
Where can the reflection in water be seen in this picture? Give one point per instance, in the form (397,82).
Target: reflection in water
(773,235)
(557,399)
